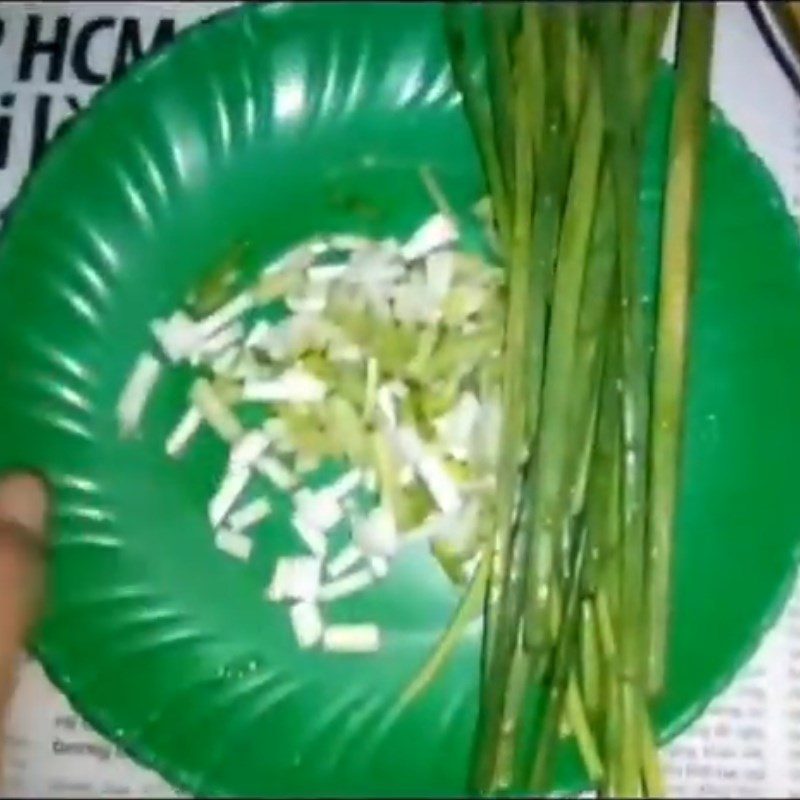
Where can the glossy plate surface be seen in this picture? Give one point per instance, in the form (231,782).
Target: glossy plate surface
(265,126)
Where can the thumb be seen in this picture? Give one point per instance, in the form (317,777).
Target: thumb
(23,519)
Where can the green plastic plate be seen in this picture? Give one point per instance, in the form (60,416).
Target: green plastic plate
(267,125)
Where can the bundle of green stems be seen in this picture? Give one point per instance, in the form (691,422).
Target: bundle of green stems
(575,578)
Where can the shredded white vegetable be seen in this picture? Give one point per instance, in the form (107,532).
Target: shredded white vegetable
(226,360)
(435,232)
(258,334)
(311,300)
(343,561)
(229,491)
(439,273)
(344,486)
(376,533)
(313,538)
(306,623)
(294,386)
(346,585)
(183,432)
(429,468)
(179,336)
(379,565)
(277,472)
(457,529)
(456,428)
(215,412)
(234,543)
(232,310)
(360,638)
(296,578)
(137,391)
(319,510)
(275,591)
(223,339)
(249,449)
(250,515)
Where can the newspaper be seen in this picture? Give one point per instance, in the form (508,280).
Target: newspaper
(53,57)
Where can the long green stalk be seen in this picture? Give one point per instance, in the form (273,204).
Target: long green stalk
(559,676)
(499,22)
(635,400)
(590,658)
(537,56)
(478,115)
(603,496)
(591,334)
(588,381)
(499,748)
(468,607)
(553,173)
(552,502)
(523,334)
(504,677)
(560,133)
(647,25)
(682,201)
(574,68)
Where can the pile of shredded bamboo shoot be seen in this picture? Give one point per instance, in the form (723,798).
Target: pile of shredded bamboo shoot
(376,357)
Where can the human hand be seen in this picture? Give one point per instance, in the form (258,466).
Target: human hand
(23,522)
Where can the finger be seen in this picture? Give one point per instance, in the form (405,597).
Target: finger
(23,520)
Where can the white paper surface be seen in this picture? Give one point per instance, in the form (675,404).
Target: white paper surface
(747,743)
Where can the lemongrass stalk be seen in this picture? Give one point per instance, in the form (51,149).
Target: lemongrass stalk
(651,778)
(508,670)
(574,720)
(574,68)
(612,737)
(530,62)
(552,448)
(478,115)
(546,131)
(519,342)
(577,718)
(652,772)
(590,658)
(505,668)
(550,190)
(586,385)
(591,335)
(508,673)
(556,143)
(681,213)
(647,25)
(468,607)
(630,754)
(603,494)
(555,153)
(621,129)
(605,626)
(554,699)
(499,20)
(573,715)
